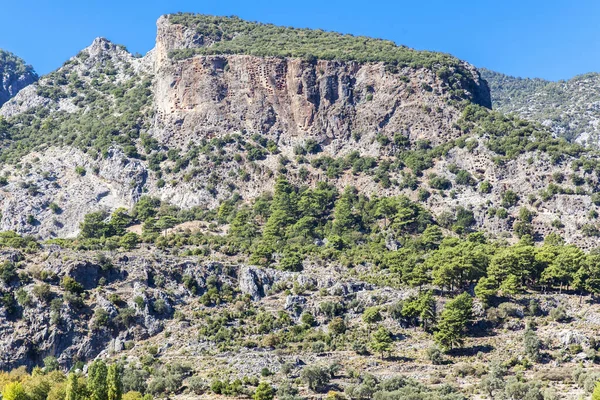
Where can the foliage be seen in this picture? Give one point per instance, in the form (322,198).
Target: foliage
(316,377)
(232,35)
(453,322)
(382,341)
(264,391)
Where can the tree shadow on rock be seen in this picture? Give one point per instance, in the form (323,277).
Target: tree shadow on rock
(471,351)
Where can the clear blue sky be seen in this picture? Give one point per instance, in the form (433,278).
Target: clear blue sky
(550,39)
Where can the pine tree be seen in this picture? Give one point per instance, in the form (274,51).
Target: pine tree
(283,214)
(453,323)
(97,381)
(431,237)
(344,219)
(113,383)
(243,227)
(427,307)
(485,290)
(382,341)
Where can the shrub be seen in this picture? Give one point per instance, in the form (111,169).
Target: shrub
(42,292)
(435,355)
(372,315)
(464,178)
(8,272)
(308,319)
(79,170)
(337,326)
(559,314)
(509,198)
(159,306)
(101,318)
(439,182)
(532,345)
(316,377)
(264,391)
(485,187)
(71,285)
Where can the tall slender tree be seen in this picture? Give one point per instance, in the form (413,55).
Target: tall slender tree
(97,380)
(114,383)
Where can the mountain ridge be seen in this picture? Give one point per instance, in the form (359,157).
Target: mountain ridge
(569,107)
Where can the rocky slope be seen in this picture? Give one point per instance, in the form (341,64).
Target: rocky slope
(225,320)
(341,105)
(14,75)
(191,142)
(193,131)
(571,109)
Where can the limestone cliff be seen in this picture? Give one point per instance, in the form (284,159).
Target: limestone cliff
(291,98)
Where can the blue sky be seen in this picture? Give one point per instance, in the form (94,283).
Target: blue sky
(549,39)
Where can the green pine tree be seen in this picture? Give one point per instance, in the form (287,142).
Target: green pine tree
(453,322)
(382,341)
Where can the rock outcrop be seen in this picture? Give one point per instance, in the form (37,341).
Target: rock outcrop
(14,76)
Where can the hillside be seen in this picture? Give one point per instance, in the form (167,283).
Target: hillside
(14,74)
(571,109)
(251,210)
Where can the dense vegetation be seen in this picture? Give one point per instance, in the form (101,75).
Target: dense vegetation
(232,35)
(401,242)
(10,63)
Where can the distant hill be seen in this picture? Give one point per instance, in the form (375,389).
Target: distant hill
(570,108)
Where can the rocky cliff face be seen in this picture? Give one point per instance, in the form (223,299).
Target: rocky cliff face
(14,76)
(292,99)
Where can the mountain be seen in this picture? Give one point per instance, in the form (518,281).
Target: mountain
(251,208)
(571,109)
(15,75)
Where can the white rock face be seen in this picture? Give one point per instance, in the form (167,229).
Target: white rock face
(112,183)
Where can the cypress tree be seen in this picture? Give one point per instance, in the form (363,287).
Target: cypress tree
(97,381)
(114,383)
(71,392)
